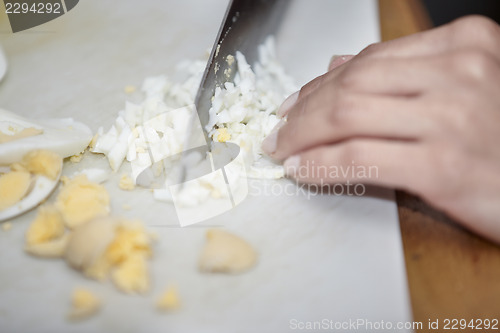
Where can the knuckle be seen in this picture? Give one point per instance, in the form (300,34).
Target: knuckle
(348,79)
(357,73)
(475,64)
(477,25)
(353,152)
(342,108)
(483,31)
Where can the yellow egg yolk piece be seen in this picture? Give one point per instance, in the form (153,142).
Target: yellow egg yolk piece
(112,246)
(130,238)
(43,162)
(132,274)
(223,135)
(169,300)
(24,133)
(225,252)
(84,304)
(126,183)
(14,186)
(6,226)
(81,200)
(50,249)
(76,158)
(47,226)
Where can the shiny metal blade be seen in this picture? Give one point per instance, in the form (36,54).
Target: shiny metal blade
(246,25)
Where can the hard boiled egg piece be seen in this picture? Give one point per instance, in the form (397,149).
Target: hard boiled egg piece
(39,188)
(19,135)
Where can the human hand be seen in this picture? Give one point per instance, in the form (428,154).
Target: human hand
(424,110)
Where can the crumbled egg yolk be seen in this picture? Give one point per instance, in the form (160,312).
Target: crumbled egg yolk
(6,226)
(119,247)
(93,141)
(126,183)
(48,225)
(18,167)
(76,158)
(225,252)
(65,180)
(129,238)
(85,255)
(169,300)
(81,200)
(132,274)
(222,135)
(18,134)
(14,186)
(98,270)
(43,162)
(128,252)
(129,89)
(50,249)
(46,235)
(84,304)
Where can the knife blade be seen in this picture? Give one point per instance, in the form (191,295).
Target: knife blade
(246,25)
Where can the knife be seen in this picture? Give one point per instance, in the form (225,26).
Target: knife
(246,25)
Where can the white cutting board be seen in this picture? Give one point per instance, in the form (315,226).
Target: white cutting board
(326,257)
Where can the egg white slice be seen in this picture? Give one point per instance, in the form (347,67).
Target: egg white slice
(64,136)
(40,189)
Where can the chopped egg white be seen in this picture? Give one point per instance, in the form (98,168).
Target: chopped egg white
(243,112)
(95,175)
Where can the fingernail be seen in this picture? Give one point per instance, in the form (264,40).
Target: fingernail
(270,143)
(292,165)
(287,104)
(338,60)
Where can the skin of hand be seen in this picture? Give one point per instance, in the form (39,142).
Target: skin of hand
(424,110)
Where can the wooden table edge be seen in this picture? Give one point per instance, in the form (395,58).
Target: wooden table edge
(452,274)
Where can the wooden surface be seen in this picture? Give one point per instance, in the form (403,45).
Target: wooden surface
(451,272)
